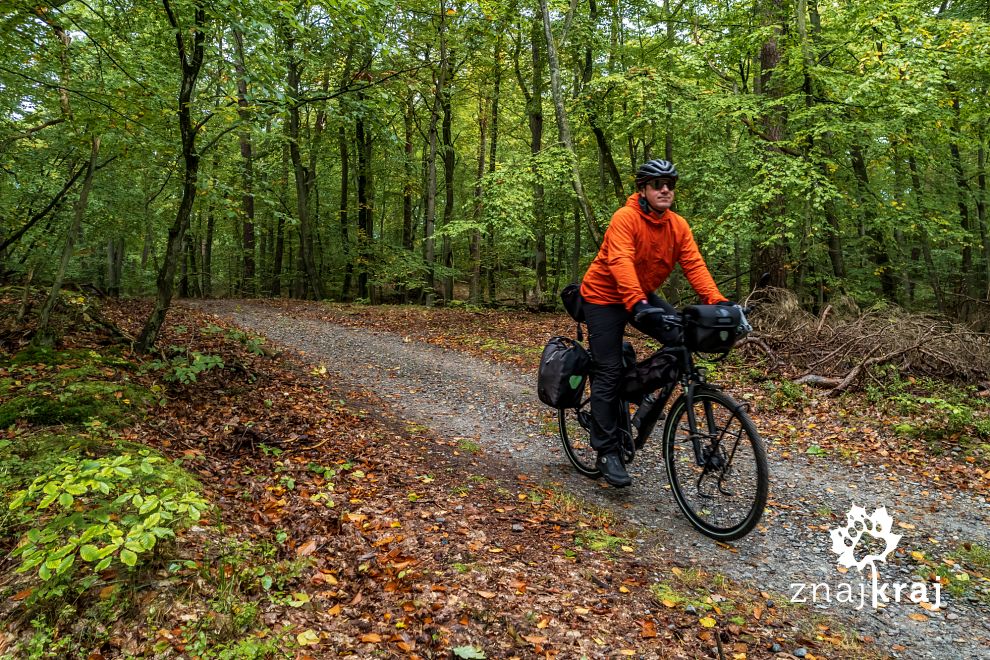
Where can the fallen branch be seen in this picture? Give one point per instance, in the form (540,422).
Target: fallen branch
(814,380)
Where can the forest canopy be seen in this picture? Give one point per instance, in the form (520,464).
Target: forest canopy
(442,151)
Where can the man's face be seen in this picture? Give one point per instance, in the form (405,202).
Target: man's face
(659,193)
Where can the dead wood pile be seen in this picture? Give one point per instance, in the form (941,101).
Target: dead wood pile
(837,348)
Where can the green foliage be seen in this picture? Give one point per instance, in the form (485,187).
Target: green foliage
(253,343)
(106,511)
(185,368)
(785,392)
(593,539)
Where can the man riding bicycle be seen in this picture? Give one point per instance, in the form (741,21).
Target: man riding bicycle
(641,246)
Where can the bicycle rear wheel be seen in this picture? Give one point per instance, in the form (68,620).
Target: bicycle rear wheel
(575,435)
(725,495)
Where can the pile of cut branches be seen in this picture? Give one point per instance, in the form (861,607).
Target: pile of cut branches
(840,346)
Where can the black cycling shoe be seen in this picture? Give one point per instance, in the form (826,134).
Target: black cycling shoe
(613,470)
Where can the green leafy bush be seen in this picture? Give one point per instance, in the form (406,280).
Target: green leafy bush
(186,368)
(102,511)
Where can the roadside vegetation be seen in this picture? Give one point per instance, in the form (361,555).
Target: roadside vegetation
(221,500)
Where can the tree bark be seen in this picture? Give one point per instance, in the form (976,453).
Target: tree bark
(448,187)
(247,170)
(43,335)
(294,71)
(877,241)
(563,128)
(475,256)
(191,64)
(926,243)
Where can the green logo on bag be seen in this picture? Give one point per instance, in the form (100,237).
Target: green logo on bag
(575,381)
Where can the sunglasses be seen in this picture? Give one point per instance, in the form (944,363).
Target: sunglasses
(658,184)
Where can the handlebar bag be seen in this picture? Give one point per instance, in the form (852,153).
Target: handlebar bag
(563,374)
(711,328)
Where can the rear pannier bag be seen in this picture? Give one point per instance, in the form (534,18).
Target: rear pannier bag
(711,328)
(564,369)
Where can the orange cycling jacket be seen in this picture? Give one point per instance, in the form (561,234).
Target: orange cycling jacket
(639,252)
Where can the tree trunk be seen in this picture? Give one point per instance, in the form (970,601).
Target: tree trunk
(981,205)
(475,278)
(877,241)
(211,222)
(448,188)
(343,215)
(43,336)
(926,243)
(409,169)
(605,157)
(563,128)
(770,257)
(250,287)
(534,111)
(832,222)
(963,192)
(440,82)
(293,68)
(365,218)
(576,247)
(191,65)
(496,94)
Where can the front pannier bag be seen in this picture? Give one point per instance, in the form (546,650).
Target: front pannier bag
(564,369)
(711,328)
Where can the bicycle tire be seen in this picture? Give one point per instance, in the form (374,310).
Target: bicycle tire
(575,435)
(718,416)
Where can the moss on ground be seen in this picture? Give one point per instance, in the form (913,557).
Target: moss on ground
(71,387)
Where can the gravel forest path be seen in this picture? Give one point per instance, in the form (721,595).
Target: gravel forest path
(495,406)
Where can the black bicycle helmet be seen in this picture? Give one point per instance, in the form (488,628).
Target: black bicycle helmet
(655,169)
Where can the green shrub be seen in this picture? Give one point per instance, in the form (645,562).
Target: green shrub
(185,369)
(102,511)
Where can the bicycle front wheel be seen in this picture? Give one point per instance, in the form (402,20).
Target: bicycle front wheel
(717,470)
(575,435)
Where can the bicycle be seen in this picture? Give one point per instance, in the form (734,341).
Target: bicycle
(708,439)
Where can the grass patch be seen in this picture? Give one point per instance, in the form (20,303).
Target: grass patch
(468,446)
(598,540)
(975,554)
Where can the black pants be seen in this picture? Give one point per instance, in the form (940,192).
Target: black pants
(606,327)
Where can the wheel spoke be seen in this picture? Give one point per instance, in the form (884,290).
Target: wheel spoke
(725,495)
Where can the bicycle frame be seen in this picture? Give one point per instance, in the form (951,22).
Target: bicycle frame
(691,378)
